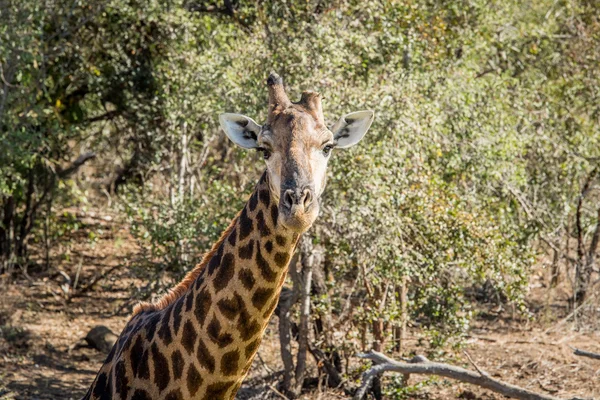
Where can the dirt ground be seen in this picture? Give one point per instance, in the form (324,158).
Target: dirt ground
(41,321)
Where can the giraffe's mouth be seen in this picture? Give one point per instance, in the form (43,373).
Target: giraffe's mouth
(298,207)
(297,217)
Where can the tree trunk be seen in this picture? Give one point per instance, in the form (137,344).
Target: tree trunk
(7,234)
(328,359)
(286,300)
(583,273)
(26,221)
(307,261)
(400,329)
(591,256)
(379,335)
(379,323)
(555,270)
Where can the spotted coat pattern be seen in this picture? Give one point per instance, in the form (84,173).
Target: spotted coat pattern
(200,341)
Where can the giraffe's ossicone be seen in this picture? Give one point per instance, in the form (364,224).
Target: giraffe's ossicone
(198,341)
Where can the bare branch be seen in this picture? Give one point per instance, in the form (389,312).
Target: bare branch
(584,353)
(557,249)
(8,84)
(481,372)
(565,319)
(421,365)
(65,173)
(95,280)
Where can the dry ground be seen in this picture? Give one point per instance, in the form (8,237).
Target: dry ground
(38,325)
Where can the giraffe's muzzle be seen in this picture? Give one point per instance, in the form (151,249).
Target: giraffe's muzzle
(297,197)
(297,207)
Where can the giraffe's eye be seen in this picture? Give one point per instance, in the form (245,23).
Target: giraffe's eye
(327,149)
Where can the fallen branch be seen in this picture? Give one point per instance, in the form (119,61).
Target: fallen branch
(584,353)
(93,282)
(421,365)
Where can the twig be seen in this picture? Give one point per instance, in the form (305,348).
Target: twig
(555,248)
(4,79)
(481,372)
(94,281)
(584,353)
(277,392)
(483,338)
(421,365)
(264,364)
(126,304)
(568,317)
(547,389)
(77,274)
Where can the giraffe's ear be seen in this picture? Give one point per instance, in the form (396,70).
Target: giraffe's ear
(351,128)
(242,130)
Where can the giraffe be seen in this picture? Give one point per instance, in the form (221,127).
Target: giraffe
(199,340)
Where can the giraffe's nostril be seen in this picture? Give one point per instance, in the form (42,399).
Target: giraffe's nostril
(288,198)
(307,198)
(296,197)
(293,198)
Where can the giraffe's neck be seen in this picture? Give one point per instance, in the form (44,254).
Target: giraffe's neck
(222,316)
(198,342)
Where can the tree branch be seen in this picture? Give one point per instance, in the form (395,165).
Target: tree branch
(584,353)
(65,173)
(95,280)
(421,365)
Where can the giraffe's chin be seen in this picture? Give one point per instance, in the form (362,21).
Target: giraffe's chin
(299,221)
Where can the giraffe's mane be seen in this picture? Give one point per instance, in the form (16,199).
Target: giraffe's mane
(190,277)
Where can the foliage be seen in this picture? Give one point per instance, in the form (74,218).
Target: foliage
(178,232)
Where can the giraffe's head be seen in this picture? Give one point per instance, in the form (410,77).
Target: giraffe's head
(296,145)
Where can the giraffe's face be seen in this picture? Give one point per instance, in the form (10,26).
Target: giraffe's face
(296,146)
(296,149)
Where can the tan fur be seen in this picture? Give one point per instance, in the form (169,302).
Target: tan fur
(189,278)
